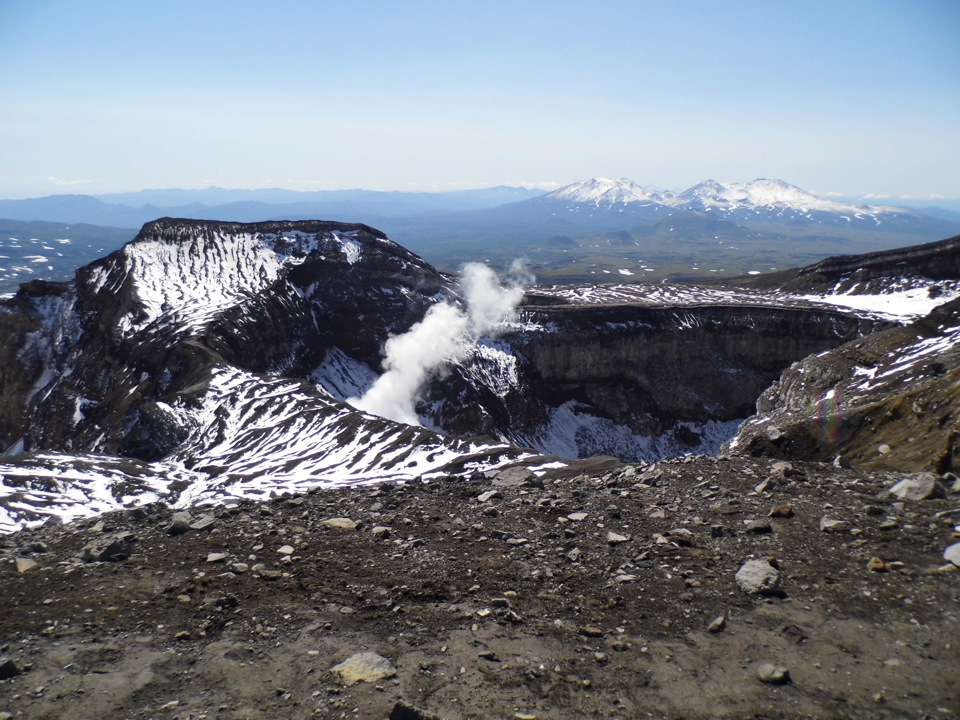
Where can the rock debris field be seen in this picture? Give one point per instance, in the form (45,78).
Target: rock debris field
(699,587)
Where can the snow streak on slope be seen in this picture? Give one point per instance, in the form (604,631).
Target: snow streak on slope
(254,436)
(901,305)
(277,433)
(187,282)
(37,487)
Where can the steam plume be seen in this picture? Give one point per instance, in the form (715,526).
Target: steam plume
(447,333)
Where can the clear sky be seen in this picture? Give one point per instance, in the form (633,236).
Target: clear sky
(849,96)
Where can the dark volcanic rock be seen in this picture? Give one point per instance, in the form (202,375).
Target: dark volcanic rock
(889,400)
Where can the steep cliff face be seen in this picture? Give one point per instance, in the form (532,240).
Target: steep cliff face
(650,368)
(632,380)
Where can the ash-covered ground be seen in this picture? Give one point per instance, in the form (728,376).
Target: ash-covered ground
(599,590)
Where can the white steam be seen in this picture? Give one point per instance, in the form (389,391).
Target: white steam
(447,333)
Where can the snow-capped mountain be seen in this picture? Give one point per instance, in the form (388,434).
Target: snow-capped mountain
(757,200)
(206,361)
(604,192)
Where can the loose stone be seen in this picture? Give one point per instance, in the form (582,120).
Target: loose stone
(952,554)
(26,564)
(340,523)
(9,668)
(717,625)
(760,527)
(364,667)
(831,524)
(180,523)
(758,577)
(921,486)
(773,674)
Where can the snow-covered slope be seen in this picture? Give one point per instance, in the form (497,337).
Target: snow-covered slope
(762,193)
(604,192)
(175,369)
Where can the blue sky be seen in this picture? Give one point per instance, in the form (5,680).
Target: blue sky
(859,98)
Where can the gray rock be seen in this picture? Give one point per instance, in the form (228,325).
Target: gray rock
(577,516)
(717,625)
(489,495)
(841,462)
(758,577)
(340,523)
(774,433)
(204,522)
(773,674)
(920,486)
(760,527)
(616,539)
(381,533)
(216,557)
(952,554)
(831,524)
(681,536)
(364,667)
(180,523)
(109,549)
(783,468)
(512,477)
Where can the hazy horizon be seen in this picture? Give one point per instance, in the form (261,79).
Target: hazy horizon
(856,99)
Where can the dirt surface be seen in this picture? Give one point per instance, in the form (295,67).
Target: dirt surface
(518,605)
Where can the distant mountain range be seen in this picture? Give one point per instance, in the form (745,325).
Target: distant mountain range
(579,232)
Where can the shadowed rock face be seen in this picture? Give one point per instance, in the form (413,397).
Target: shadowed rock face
(649,368)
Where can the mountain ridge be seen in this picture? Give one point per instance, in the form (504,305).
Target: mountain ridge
(564,234)
(158,355)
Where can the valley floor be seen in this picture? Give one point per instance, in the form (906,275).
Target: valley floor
(595,591)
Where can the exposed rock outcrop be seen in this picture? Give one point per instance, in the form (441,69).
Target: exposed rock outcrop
(890,400)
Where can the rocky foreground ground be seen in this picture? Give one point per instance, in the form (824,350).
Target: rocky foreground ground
(693,588)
